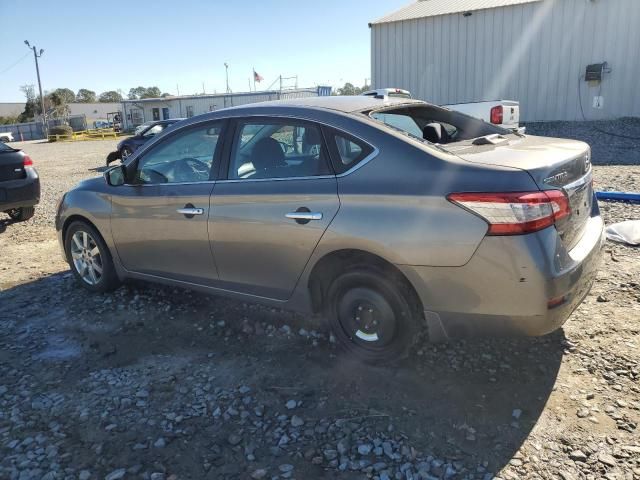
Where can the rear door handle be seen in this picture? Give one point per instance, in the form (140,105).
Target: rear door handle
(305,216)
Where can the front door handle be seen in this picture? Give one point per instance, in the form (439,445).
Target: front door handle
(190,211)
(308,216)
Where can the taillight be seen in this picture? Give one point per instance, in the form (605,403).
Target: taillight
(497,115)
(515,213)
(27,162)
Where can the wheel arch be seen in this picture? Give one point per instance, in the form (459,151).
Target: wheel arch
(78,218)
(329,266)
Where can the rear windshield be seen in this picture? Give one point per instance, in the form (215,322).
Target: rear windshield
(429,123)
(5,148)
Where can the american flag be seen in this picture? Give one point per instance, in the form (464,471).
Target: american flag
(257,77)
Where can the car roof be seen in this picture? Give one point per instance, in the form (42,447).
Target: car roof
(341,103)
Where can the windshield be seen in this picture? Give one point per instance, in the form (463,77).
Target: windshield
(156,129)
(434,124)
(140,128)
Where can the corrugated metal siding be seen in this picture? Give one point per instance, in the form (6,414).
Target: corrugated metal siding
(533,53)
(432,8)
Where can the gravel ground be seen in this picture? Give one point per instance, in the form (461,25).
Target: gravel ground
(159,383)
(612,142)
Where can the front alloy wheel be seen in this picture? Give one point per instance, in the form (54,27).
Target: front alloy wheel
(86,257)
(89,258)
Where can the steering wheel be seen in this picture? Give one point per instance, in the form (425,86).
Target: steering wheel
(191,170)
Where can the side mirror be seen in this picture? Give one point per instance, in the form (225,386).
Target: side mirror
(115,176)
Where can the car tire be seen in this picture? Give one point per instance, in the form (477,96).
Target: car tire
(21,214)
(112,157)
(93,269)
(373,314)
(125,153)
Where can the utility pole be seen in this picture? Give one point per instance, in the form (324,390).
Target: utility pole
(37,55)
(226,67)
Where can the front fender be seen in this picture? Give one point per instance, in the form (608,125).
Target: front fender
(93,207)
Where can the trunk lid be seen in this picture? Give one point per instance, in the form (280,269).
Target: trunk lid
(11,164)
(553,163)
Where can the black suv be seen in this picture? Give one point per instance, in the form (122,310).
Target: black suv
(19,184)
(129,145)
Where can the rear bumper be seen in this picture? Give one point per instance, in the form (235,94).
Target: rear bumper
(24,192)
(520,285)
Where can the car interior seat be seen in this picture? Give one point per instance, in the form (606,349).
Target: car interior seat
(266,156)
(435,133)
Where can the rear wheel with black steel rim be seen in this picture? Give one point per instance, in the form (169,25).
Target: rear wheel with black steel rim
(89,258)
(372,314)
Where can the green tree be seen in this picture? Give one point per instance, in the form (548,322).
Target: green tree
(152,92)
(56,103)
(86,96)
(350,89)
(10,120)
(136,93)
(31,107)
(65,94)
(142,92)
(110,96)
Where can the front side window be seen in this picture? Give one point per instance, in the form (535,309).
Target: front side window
(185,157)
(278,150)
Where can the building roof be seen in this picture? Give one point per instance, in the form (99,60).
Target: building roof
(341,103)
(433,8)
(218,95)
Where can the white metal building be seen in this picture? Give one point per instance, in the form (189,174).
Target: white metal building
(11,109)
(136,112)
(93,112)
(533,51)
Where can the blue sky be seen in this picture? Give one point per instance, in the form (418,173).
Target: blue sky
(122,44)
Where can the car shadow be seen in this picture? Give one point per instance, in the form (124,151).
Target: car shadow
(474,402)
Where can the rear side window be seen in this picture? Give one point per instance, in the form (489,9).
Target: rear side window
(278,149)
(348,152)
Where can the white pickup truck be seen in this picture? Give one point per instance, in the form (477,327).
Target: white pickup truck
(504,113)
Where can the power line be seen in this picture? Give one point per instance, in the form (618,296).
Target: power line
(15,63)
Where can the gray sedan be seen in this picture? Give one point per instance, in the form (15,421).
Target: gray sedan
(388,216)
